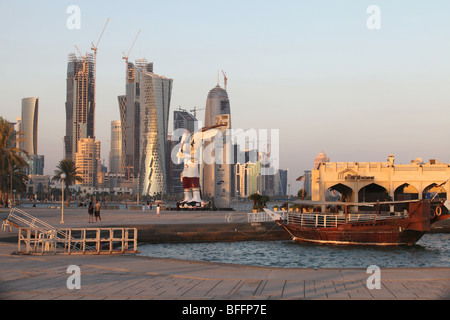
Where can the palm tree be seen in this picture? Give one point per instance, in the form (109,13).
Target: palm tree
(69,168)
(11,161)
(256,197)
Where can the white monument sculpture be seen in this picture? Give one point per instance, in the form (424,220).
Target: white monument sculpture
(189,152)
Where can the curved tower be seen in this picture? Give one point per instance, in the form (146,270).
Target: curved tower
(30,110)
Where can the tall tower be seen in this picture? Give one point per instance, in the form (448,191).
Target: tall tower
(217,177)
(29,125)
(115,154)
(149,104)
(80,106)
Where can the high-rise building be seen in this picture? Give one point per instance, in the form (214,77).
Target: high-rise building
(217,177)
(29,125)
(115,154)
(130,109)
(80,105)
(123,123)
(152,101)
(87,159)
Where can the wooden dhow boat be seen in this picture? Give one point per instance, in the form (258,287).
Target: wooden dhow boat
(341,226)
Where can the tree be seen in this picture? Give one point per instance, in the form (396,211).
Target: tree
(12,162)
(256,197)
(302,193)
(69,168)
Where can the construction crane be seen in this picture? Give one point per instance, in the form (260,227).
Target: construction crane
(225,79)
(195,111)
(125,57)
(95,48)
(79,52)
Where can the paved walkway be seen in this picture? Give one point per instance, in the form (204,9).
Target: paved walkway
(126,277)
(137,277)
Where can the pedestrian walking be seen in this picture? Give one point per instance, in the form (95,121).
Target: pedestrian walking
(97,212)
(157,210)
(91,212)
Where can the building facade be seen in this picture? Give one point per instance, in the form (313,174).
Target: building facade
(217,176)
(152,96)
(80,105)
(115,154)
(29,125)
(87,161)
(372,181)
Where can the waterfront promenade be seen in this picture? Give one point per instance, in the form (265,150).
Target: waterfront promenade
(126,277)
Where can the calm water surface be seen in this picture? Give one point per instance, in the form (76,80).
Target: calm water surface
(431,251)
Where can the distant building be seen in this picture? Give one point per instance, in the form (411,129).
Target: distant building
(217,177)
(151,97)
(372,181)
(321,158)
(87,160)
(80,105)
(36,164)
(115,154)
(123,124)
(28,124)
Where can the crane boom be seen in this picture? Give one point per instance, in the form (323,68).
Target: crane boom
(79,52)
(125,57)
(101,35)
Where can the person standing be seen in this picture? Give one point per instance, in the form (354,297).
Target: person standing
(97,212)
(91,212)
(157,210)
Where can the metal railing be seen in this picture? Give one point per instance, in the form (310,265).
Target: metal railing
(321,220)
(263,217)
(38,237)
(78,241)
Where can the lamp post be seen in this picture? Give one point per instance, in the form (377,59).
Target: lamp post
(63,176)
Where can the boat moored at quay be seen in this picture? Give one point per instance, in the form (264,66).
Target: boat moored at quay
(378,226)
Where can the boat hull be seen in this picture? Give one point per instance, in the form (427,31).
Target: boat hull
(388,236)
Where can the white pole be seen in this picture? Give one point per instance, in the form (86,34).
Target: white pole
(63,176)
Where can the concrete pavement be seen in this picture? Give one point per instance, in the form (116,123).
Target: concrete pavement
(133,277)
(126,277)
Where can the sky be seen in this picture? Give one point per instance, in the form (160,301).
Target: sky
(313,70)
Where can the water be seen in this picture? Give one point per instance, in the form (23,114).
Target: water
(431,251)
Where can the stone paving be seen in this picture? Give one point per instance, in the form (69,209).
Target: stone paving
(125,277)
(133,277)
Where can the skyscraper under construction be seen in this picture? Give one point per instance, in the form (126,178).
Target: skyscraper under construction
(80,102)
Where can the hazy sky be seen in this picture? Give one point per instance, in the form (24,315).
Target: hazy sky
(312,69)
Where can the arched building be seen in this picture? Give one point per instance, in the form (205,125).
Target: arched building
(372,181)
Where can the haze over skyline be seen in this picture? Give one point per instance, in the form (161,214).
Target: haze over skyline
(313,70)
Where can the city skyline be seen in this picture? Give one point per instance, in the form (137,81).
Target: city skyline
(313,71)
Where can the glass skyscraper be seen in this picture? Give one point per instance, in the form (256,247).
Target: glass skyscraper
(29,125)
(217,177)
(148,101)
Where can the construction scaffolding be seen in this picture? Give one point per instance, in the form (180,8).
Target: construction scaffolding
(38,237)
